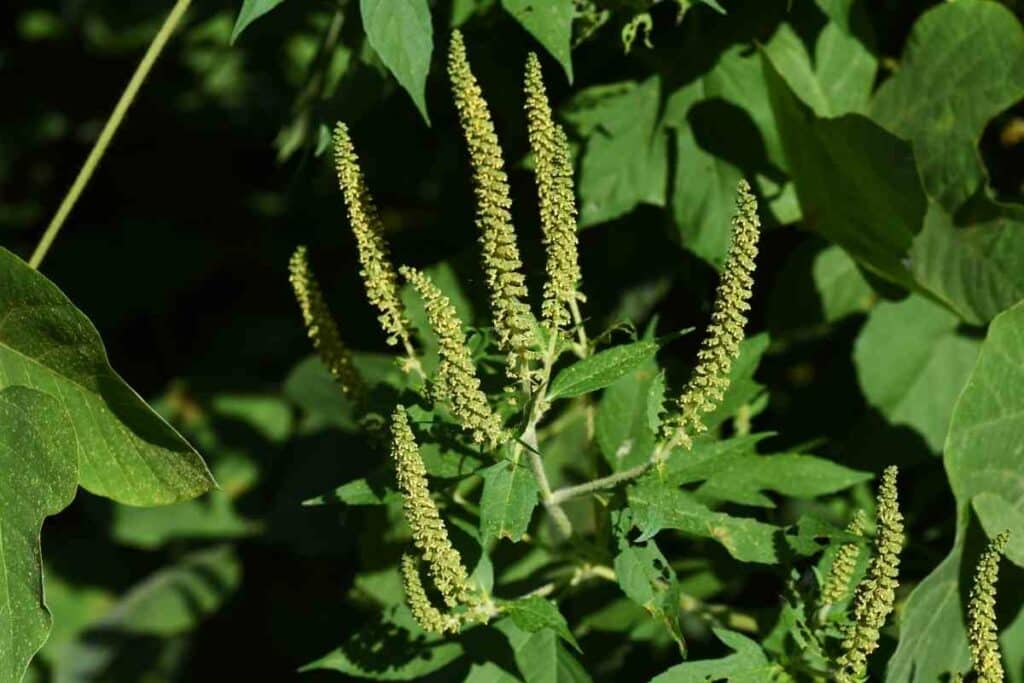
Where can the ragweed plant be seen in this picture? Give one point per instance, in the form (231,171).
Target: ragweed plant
(498,467)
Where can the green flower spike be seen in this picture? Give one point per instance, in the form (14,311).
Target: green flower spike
(837,586)
(513,321)
(876,593)
(427,616)
(378,273)
(456,382)
(429,533)
(982,631)
(557,198)
(721,343)
(321,327)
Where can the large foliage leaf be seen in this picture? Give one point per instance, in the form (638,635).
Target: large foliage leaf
(603,368)
(250,12)
(507,501)
(550,22)
(912,364)
(402,34)
(40,479)
(646,577)
(534,613)
(540,656)
(982,449)
(625,161)
(747,664)
(125,451)
(943,105)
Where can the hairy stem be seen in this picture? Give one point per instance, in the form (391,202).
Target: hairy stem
(611,481)
(107,134)
(581,332)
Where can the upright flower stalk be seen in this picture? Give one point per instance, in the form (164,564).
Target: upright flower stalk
(721,344)
(513,321)
(377,272)
(456,381)
(321,328)
(557,199)
(876,593)
(982,630)
(837,585)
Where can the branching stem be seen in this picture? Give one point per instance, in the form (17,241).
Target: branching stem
(107,134)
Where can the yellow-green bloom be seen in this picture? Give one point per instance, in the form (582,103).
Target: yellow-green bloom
(982,631)
(427,616)
(837,586)
(721,343)
(513,321)
(321,327)
(557,199)
(456,382)
(876,593)
(429,533)
(377,271)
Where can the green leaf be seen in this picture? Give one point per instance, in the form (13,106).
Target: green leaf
(977,270)
(550,22)
(125,451)
(839,81)
(857,183)
(747,664)
(657,507)
(912,364)
(40,476)
(840,284)
(601,369)
(507,501)
(534,613)
(625,162)
(646,577)
(540,656)
(623,426)
(401,33)
(982,449)
(943,105)
(251,11)
(356,492)
(169,603)
(996,515)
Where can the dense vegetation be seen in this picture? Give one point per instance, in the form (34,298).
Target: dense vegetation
(512,340)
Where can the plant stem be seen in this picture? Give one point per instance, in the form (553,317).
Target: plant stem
(581,332)
(611,481)
(558,515)
(107,134)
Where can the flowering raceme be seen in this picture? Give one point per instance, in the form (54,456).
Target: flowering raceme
(982,631)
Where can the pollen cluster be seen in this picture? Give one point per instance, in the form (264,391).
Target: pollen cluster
(377,272)
(721,343)
(455,382)
(321,327)
(429,534)
(513,321)
(556,196)
(876,593)
(427,616)
(837,586)
(982,631)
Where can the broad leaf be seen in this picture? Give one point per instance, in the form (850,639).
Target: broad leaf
(401,33)
(743,389)
(623,428)
(657,506)
(840,284)
(943,105)
(40,476)
(541,657)
(625,162)
(125,451)
(912,364)
(534,613)
(250,12)
(550,22)
(507,501)
(601,369)
(747,664)
(646,577)
(982,448)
